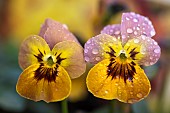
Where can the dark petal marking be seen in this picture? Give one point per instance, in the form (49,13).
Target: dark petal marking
(59,59)
(133,53)
(125,71)
(39,56)
(112,52)
(45,73)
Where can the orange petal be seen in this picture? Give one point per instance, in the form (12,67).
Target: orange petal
(103,86)
(49,91)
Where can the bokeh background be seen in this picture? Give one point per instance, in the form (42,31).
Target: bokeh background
(85,18)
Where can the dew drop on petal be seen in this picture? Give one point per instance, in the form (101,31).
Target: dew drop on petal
(138,28)
(86,59)
(129,30)
(117,32)
(127,18)
(136,41)
(157,50)
(131,92)
(139,95)
(152,33)
(106,92)
(95,51)
(135,32)
(135,20)
(155,43)
(86,50)
(98,58)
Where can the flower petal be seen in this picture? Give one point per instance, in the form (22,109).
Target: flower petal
(113,30)
(73,61)
(133,25)
(32,51)
(144,50)
(103,86)
(96,49)
(31,88)
(54,32)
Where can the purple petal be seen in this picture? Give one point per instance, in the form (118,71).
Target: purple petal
(134,25)
(113,30)
(95,48)
(54,32)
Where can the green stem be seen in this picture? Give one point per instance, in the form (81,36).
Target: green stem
(111,108)
(64,106)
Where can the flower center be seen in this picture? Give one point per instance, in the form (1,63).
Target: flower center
(123,57)
(50,61)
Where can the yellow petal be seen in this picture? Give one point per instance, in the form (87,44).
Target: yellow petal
(36,89)
(32,51)
(126,90)
(72,53)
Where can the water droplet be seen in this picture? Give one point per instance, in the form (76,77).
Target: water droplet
(155,43)
(129,30)
(132,100)
(127,18)
(106,92)
(143,50)
(131,92)
(136,41)
(65,26)
(136,33)
(135,20)
(117,32)
(138,28)
(86,58)
(139,95)
(95,51)
(123,36)
(152,33)
(157,50)
(98,58)
(116,84)
(119,87)
(151,58)
(85,50)
(143,37)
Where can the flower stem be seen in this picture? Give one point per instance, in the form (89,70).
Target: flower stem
(111,109)
(64,106)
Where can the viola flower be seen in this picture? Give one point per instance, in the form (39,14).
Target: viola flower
(49,63)
(118,53)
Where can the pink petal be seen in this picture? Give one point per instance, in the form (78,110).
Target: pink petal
(54,32)
(113,30)
(95,48)
(134,25)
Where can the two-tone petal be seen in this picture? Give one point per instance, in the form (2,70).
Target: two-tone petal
(72,53)
(134,25)
(32,51)
(54,32)
(101,47)
(143,50)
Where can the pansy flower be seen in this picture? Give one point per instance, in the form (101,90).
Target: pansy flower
(49,61)
(118,53)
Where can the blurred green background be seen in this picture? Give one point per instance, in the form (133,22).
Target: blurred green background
(85,18)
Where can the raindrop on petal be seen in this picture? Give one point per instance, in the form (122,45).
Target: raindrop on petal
(135,20)
(95,51)
(139,95)
(136,41)
(129,30)
(87,59)
(157,50)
